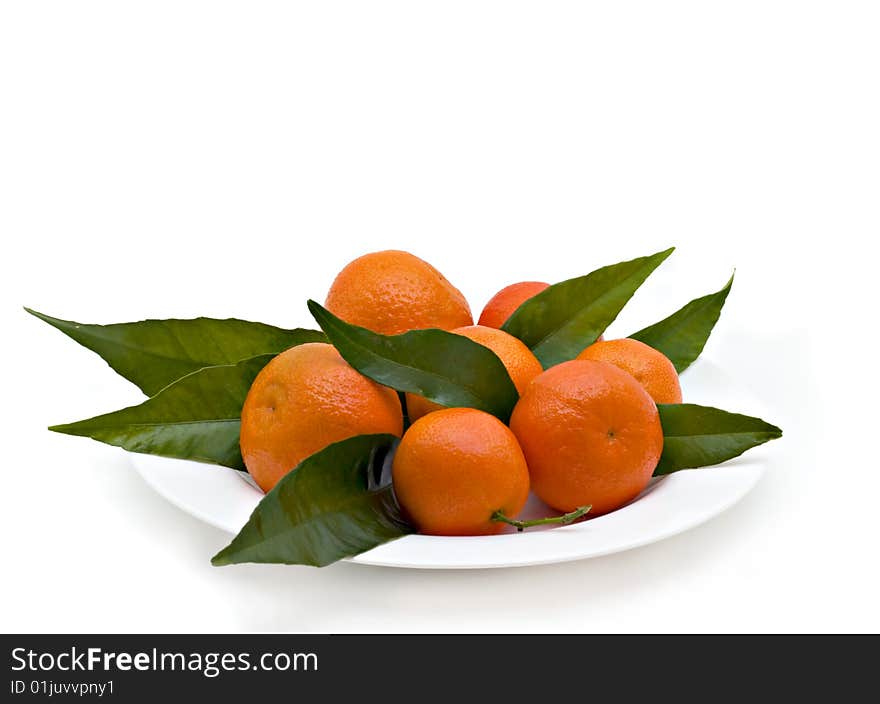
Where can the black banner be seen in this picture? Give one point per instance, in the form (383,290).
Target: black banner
(241,668)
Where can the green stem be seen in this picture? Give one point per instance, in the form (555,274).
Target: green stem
(522,525)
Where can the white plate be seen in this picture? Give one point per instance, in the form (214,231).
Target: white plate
(225,499)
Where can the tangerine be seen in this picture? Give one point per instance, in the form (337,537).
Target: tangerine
(392,291)
(454,469)
(591,436)
(651,368)
(503,304)
(303,400)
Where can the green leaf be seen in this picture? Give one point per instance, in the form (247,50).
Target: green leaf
(698,436)
(563,320)
(682,335)
(336,503)
(197,417)
(443,367)
(153,353)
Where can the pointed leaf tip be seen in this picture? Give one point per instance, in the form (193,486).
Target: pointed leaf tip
(701,436)
(683,335)
(327,508)
(197,417)
(564,319)
(153,353)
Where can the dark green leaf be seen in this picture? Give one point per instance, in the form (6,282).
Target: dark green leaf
(336,503)
(443,367)
(698,436)
(563,320)
(682,335)
(153,353)
(197,417)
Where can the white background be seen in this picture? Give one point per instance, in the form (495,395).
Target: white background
(179,158)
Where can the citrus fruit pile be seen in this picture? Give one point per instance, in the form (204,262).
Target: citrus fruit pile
(401,415)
